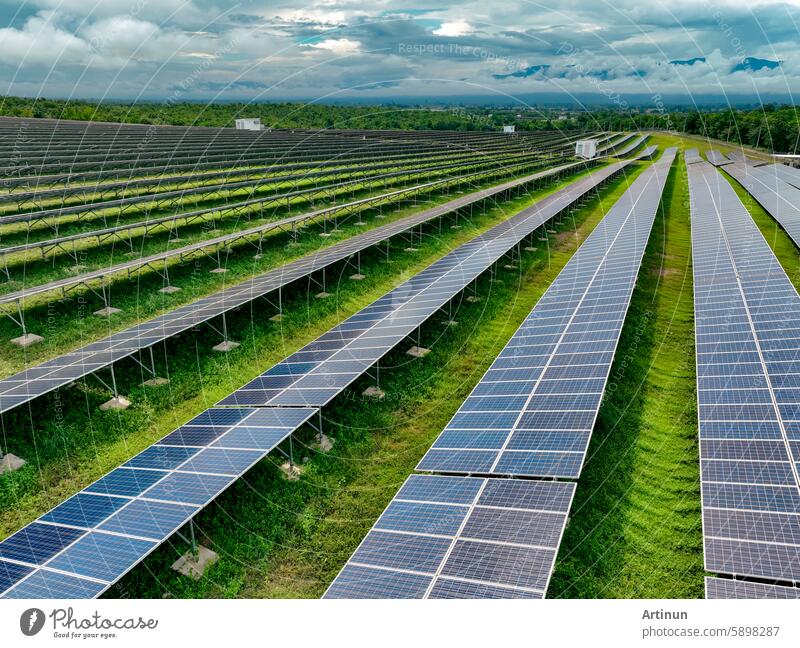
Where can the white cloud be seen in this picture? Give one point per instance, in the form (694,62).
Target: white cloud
(454,29)
(41,41)
(339,46)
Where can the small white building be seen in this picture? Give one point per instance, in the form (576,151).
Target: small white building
(510,129)
(249,123)
(586,149)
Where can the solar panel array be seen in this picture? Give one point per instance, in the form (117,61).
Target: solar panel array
(788,174)
(83,545)
(729,588)
(716,158)
(460,537)
(748,385)
(318,372)
(533,411)
(424,544)
(631,146)
(780,199)
(692,155)
(35,381)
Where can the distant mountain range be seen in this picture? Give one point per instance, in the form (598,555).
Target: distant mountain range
(748,64)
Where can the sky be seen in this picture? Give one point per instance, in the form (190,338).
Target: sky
(377,50)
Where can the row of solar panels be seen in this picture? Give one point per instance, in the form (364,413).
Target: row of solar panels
(85,544)
(530,415)
(748,385)
(58,372)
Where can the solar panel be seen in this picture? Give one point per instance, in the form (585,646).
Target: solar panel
(460,537)
(692,155)
(466,537)
(631,146)
(88,542)
(728,588)
(321,370)
(58,372)
(748,382)
(533,411)
(779,198)
(716,158)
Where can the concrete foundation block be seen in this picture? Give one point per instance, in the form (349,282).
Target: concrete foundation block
(27,340)
(224,347)
(276,318)
(291,471)
(374,392)
(108,311)
(418,352)
(358,277)
(169,290)
(473,299)
(530,248)
(156,382)
(412,249)
(10,463)
(324,443)
(324,234)
(218,270)
(118,403)
(194,565)
(322,295)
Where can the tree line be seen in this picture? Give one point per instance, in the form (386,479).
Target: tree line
(770,127)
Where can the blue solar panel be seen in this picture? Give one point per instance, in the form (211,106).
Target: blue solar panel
(84,510)
(321,372)
(533,411)
(441,534)
(120,518)
(126,481)
(147,519)
(101,556)
(37,542)
(45,584)
(748,388)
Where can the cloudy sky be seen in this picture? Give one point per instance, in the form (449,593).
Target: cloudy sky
(380,49)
